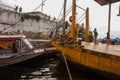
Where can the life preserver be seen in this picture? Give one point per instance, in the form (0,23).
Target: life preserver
(70,18)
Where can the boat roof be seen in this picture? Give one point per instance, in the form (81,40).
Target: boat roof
(105,2)
(9,38)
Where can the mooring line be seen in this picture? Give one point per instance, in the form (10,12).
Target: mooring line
(68,70)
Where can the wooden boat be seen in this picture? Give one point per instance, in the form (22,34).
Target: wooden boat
(100,57)
(17,48)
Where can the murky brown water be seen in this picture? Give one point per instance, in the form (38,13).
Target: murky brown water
(42,68)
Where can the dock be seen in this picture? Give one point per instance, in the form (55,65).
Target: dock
(99,57)
(102,57)
(103,48)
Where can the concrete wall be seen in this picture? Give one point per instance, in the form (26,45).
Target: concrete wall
(35,22)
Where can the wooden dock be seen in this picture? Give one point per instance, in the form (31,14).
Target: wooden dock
(103,48)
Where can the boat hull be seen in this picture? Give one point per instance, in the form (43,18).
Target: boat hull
(27,55)
(91,59)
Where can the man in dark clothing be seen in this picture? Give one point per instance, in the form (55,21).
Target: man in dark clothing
(20,9)
(14,48)
(95,35)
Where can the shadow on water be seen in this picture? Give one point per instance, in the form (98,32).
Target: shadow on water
(42,68)
(39,68)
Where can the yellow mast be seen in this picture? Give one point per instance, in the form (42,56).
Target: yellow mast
(73,18)
(87,25)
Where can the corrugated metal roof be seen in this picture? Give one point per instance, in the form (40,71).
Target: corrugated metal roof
(105,2)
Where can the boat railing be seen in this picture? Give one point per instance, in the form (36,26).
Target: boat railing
(27,43)
(22,37)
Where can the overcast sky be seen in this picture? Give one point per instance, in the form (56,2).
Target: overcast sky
(98,14)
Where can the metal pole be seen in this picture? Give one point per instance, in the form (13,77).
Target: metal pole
(64,12)
(109,21)
(87,25)
(42,6)
(119,11)
(20,46)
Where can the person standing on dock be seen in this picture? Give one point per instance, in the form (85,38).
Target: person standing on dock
(20,9)
(95,35)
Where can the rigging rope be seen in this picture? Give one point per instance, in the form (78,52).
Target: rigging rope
(60,13)
(68,70)
(79,19)
(68,11)
(38,6)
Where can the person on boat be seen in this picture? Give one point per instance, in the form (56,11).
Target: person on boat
(20,9)
(14,47)
(82,32)
(91,37)
(16,8)
(95,35)
(51,33)
(108,37)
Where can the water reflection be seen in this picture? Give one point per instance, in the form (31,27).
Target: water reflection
(41,68)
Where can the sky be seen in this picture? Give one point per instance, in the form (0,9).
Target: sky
(98,14)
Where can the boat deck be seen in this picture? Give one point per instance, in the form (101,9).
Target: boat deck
(13,58)
(7,57)
(103,48)
(6,53)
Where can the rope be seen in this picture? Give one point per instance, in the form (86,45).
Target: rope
(38,6)
(81,19)
(68,70)
(81,8)
(68,11)
(53,29)
(60,13)
(83,15)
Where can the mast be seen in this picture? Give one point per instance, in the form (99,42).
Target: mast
(119,11)
(109,20)
(73,18)
(64,17)
(42,6)
(87,25)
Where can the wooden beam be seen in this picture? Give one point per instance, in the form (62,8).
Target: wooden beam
(105,2)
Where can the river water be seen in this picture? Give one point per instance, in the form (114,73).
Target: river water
(43,68)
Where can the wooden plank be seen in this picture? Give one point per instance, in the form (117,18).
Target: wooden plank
(103,48)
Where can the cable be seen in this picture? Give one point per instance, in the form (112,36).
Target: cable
(68,70)
(38,6)
(82,15)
